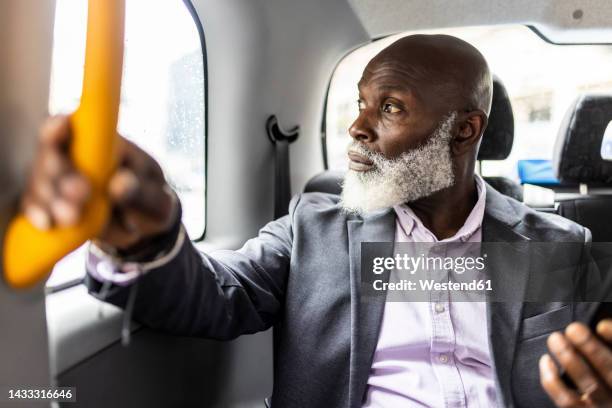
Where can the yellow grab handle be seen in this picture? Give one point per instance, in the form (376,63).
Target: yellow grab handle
(29,253)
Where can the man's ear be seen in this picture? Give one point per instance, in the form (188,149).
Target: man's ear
(470,127)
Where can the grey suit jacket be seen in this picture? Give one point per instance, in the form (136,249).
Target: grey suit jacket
(301,275)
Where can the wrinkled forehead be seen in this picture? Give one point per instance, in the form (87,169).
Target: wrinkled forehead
(398,74)
(393,71)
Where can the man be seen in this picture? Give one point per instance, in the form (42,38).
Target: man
(423,107)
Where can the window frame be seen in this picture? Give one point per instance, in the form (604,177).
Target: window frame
(196,18)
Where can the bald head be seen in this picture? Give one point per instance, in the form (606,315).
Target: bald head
(443,69)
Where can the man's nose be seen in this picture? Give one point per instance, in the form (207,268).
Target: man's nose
(361,130)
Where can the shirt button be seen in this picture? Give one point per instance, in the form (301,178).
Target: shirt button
(443,358)
(439,307)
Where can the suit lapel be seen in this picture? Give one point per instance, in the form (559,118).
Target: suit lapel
(366,311)
(510,284)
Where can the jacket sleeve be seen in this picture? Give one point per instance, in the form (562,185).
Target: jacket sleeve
(220,295)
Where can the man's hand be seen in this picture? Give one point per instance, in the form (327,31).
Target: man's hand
(143,205)
(587,359)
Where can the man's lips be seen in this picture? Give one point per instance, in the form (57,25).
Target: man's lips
(359,162)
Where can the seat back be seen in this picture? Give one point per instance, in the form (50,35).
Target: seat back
(578,159)
(329,181)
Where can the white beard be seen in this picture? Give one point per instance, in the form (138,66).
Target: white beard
(415,174)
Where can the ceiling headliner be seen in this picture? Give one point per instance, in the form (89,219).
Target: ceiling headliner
(560,21)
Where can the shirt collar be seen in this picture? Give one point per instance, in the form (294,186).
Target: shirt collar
(408,220)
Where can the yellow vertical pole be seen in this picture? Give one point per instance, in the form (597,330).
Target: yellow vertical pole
(29,253)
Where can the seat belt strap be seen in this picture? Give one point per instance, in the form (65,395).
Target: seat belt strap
(282,168)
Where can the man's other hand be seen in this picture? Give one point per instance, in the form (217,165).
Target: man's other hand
(143,205)
(587,359)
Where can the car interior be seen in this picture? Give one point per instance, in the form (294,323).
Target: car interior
(238,100)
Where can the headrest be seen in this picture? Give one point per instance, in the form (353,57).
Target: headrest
(577,155)
(499,135)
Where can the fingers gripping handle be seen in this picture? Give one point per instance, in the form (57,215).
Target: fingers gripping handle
(30,254)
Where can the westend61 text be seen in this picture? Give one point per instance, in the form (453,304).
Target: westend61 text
(431,285)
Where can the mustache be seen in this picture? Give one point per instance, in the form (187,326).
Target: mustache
(361,149)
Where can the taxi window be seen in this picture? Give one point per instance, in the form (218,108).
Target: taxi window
(542,80)
(162,97)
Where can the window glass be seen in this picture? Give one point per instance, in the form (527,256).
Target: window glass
(542,80)
(162,96)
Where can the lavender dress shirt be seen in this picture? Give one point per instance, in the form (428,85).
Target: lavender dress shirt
(433,354)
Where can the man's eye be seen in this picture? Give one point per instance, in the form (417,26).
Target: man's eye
(390,108)
(360,105)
